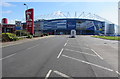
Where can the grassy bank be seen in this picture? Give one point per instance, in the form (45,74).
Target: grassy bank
(108,37)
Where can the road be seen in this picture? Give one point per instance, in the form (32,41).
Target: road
(60,56)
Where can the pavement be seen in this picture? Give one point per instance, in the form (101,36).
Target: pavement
(5,44)
(63,57)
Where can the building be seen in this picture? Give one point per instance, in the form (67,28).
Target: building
(38,27)
(82,26)
(7,27)
(10,28)
(65,25)
(110,29)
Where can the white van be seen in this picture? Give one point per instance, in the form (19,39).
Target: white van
(73,34)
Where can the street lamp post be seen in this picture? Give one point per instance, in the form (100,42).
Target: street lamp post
(26,5)
(27,9)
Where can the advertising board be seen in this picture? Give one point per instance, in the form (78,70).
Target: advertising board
(18,25)
(30,20)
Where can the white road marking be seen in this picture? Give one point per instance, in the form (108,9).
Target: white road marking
(118,72)
(65,44)
(63,75)
(60,53)
(88,63)
(8,56)
(97,54)
(12,44)
(48,74)
(78,47)
(15,53)
(80,52)
(33,46)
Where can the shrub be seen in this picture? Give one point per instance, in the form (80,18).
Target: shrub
(45,34)
(9,37)
(41,35)
(22,33)
(30,36)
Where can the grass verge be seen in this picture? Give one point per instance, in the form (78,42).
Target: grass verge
(108,37)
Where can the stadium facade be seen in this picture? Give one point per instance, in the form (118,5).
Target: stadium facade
(82,26)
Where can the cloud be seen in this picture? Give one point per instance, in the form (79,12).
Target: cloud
(6,4)
(8,11)
(13,21)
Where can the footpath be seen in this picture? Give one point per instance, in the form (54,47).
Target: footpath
(5,44)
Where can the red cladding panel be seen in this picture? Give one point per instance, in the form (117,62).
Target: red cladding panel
(5,20)
(30,20)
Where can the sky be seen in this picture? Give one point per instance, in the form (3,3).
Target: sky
(16,10)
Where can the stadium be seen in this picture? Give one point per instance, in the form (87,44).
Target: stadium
(82,26)
(88,25)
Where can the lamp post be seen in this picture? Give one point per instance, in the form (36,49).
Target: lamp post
(26,5)
(26,8)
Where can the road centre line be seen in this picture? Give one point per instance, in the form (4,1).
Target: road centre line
(79,52)
(87,63)
(63,75)
(97,54)
(48,74)
(60,53)
(117,72)
(12,44)
(65,44)
(8,56)
(33,46)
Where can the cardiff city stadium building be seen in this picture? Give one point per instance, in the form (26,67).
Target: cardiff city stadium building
(82,26)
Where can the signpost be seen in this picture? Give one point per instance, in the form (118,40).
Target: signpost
(18,26)
(30,20)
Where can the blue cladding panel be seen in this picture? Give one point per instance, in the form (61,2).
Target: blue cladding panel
(55,24)
(71,24)
(90,28)
(18,28)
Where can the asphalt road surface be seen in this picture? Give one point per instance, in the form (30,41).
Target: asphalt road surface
(60,56)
